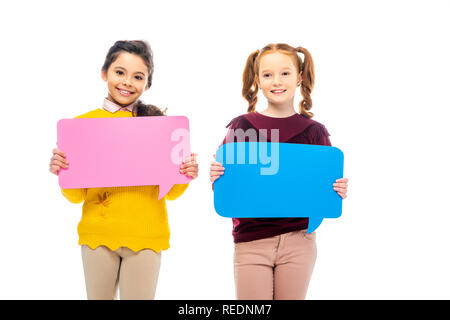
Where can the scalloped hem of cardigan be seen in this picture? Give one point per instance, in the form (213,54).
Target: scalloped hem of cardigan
(94,241)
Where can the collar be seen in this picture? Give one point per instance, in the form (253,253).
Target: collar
(114,107)
(288,127)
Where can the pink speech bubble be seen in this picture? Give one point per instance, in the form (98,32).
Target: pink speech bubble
(117,152)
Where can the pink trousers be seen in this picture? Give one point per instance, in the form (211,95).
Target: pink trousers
(277,268)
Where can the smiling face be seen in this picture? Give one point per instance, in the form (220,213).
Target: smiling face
(278,79)
(126,78)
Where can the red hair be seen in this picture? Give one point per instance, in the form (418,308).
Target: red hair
(305,68)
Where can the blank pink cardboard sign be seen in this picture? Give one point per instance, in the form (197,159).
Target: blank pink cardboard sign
(116,152)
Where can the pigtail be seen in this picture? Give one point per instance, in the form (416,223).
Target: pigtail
(147,110)
(138,107)
(307,83)
(250,86)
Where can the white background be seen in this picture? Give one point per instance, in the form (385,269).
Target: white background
(382,83)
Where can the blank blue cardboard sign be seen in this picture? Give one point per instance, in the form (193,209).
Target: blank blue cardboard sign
(279,180)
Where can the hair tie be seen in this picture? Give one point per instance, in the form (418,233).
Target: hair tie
(255,54)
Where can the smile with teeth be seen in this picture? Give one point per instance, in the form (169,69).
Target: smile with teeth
(278,91)
(125,93)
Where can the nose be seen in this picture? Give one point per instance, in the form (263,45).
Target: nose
(276,80)
(127,81)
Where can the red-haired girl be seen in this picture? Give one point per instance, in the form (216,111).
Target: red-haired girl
(274,258)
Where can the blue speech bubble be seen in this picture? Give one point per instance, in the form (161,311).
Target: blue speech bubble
(279,180)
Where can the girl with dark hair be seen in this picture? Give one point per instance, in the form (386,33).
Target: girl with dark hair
(123,229)
(274,258)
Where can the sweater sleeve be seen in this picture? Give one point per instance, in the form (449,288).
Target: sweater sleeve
(74,195)
(319,135)
(176,191)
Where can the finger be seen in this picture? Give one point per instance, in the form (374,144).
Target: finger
(192,175)
(339,184)
(190,169)
(58,163)
(343,195)
(54,170)
(216,174)
(59,152)
(191,158)
(212,179)
(189,165)
(60,158)
(342,180)
(217,164)
(340,189)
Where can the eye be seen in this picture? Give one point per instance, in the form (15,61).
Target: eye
(119,72)
(266,75)
(286,73)
(139,78)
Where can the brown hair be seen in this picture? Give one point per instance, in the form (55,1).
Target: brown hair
(305,68)
(138,47)
(147,110)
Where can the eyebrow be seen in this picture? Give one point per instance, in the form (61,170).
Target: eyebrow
(119,67)
(287,68)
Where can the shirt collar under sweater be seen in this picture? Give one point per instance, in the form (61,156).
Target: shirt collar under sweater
(112,107)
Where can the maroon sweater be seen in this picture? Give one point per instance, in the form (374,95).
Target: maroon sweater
(294,129)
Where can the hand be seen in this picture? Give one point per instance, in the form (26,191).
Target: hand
(58,161)
(190,166)
(341,187)
(216,170)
